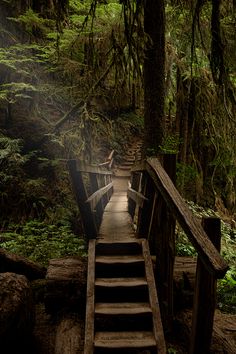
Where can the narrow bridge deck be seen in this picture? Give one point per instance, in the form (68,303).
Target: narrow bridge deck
(116,223)
(122,314)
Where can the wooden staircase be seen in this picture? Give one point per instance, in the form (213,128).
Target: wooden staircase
(122,314)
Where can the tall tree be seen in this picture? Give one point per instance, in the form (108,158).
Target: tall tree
(154,75)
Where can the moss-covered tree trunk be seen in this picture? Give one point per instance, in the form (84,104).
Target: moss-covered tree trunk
(154,75)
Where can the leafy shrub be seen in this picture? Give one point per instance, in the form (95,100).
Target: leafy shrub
(226,290)
(40,242)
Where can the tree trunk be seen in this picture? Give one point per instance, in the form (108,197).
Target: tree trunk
(154,75)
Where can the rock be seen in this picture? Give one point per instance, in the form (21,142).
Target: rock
(16,311)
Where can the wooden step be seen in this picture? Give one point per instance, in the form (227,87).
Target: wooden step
(120,282)
(122,308)
(119,259)
(124,247)
(124,340)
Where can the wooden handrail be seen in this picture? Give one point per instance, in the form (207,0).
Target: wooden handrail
(86,168)
(211,258)
(96,196)
(100,187)
(137,197)
(109,162)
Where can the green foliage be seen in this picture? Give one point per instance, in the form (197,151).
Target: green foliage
(226,290)
(40,241)
(171,144)
(34,22)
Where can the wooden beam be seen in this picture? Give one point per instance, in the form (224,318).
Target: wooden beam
(205,295)
(89,323)
(211,258)
(153,299)
(95,197)
(83,167)
(87,216)
(139,198)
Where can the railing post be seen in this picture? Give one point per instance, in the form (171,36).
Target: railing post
(144,216)
(94,187)
(165,248)
(135,178)
(205,295)
(81,196)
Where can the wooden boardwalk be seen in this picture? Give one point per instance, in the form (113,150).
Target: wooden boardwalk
(122,312)
(116,223)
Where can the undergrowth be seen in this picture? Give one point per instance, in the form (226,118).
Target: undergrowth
(40,241)
(226,287)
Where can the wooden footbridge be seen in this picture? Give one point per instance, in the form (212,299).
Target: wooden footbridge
(126,217)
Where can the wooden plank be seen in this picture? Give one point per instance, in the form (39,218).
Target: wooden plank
(137,197)
(123,308)
(205,295)
(83,167)
(119,340)
(89,323)
(190,224)
(96,197)
(119,259)
(157,324)
(122,282)
(93,177)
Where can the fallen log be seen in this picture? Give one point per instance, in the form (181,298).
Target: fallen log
(10,262)
(69,337)
(66,285)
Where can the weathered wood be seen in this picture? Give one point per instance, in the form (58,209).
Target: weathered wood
(139,198)
(10,262)
(157,324)
(205,295)
(165,249)
(66,285)
(88,220)
(96,197)
(124,340)
(121,308)
(16,311)
(134,184)
(144,214)
(83,167)
(190,224)
(94,187)
(69,337)
(89,323)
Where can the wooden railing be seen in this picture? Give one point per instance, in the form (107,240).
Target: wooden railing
(93,187)
(156,205)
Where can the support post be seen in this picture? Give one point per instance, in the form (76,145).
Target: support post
(165,248)
(94,188)
(204,296)
(81,196)
(135,178)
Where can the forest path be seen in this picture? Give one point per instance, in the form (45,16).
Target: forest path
(122,312)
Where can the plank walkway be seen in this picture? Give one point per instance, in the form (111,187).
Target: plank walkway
(122,314)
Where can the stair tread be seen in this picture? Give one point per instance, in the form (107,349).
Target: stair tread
(124,339)
(118,308)
(112,282)
(119,259)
